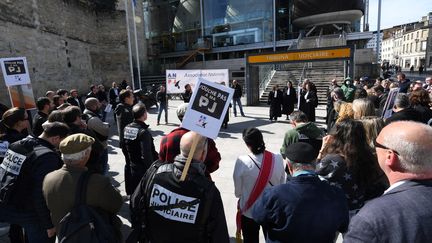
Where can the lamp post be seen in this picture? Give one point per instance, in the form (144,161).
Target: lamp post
(378,32)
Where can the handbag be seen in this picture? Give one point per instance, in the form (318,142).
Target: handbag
(261,182)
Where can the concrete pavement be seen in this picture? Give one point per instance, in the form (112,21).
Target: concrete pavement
(229,143)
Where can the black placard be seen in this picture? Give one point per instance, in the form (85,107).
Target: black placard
(210,101)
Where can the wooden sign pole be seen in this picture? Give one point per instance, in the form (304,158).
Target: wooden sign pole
(189,159)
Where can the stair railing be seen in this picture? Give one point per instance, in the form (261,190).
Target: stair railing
(268,73)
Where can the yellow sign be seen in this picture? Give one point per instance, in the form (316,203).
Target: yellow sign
(301,56)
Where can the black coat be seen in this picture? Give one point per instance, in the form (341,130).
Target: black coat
(275,104)
(73,102)
(408,114)
(308,104)
(288,101)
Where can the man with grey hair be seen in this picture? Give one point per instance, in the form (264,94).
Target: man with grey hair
(60,186)
(303,131)
(99,128)
(403,110)
(402,214)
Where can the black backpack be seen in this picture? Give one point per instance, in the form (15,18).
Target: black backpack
(85,223)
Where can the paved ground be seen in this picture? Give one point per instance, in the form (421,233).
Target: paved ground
(229,143)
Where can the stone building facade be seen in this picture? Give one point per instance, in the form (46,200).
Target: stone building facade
(66,44)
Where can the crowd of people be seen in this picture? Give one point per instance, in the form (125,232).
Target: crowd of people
(321,182)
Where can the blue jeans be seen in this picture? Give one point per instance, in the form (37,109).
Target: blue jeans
(35,232)
(162,107)
(238,101)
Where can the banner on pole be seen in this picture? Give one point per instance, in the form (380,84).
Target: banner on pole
(22,96)
(15,71)
(177,79)
(207,108)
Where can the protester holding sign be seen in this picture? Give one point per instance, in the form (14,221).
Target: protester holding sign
(252,174)
(192,210)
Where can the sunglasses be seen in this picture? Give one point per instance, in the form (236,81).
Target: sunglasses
(378,145)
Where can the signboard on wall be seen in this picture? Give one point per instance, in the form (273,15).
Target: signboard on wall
(177,79)
(301,56)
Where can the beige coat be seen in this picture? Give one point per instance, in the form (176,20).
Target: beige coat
(59,191)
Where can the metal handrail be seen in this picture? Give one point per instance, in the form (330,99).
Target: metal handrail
(269,73)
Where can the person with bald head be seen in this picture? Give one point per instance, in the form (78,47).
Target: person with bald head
(402,213)
(100,128)
(191,210)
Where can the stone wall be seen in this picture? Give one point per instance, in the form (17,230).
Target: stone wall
(66,45)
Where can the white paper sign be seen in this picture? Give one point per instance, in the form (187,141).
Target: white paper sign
(161,196)
(13,162)
(177,79)
(15,71)
(130,133)
(207,108)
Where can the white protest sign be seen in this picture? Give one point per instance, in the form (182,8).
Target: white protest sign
(207,108)
(15,71)
(177,79)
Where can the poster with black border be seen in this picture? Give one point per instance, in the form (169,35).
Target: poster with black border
(15,71)
(388,107)
(207,108)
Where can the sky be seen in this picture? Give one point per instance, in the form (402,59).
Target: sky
(396,12)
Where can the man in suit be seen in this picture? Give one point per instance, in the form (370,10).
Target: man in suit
(402,213)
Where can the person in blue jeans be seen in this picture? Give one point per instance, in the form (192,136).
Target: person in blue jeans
(238,93)
(161,98)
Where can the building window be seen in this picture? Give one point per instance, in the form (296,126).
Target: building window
(418,34)
(411,47)
(423,45)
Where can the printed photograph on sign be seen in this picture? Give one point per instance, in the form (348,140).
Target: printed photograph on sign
(161,196)
(207,108)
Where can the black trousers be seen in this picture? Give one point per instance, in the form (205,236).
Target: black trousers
(250,230)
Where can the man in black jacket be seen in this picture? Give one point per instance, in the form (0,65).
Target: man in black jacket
(124,116)
(238,93)
(191,209)
(44,106)
(75,100)
(26,164)
(138,143)
(403,111)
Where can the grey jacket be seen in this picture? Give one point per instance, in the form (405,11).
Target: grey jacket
(403,214)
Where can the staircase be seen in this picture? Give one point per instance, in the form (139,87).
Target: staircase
(320,73)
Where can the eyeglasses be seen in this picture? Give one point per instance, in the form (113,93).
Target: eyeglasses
(378,145)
